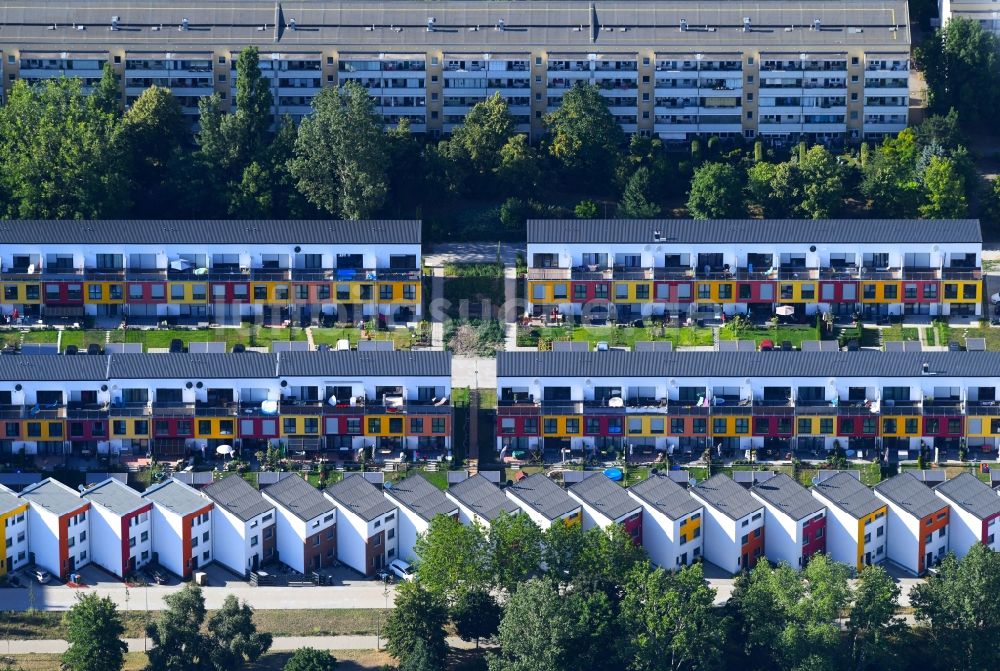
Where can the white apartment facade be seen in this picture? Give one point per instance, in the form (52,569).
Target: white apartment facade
(696,72)
(58,527)
(918,523)
(856,521)
(366,525)
(974,516)
(182,527)
(671,522)
(120,527)
(243,525)
(734,524)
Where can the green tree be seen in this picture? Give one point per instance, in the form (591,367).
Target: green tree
(519,169)
(94,631)
(341,154)
(247,127)
(476,615)
(562,551)
(673,619)
(487,127)
(252,198)
(960,606)
(940,129)
(408,170)
(873,625)
(451,558)
(514,549)
(422,658)
(419,615)
(57,156)
(310,659)
(716,192)
(822,184)
(106,96)
(584,137)
(151,139)
(544,630)
(773,188)
(945,190)
(637,200)
(235,639)
(960,64)
(178,644)
(607,556)
(889,179)
(586,209)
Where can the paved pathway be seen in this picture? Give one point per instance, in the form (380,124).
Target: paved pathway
(280,644)
(360,594)
(473,372)
(437,298)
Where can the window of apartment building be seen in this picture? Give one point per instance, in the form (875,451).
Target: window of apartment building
(385,292)
(550,425)
(868,425)
(888,426)
(954,426)
(260,292)
(890,291)
(826,425)
(437,424)
(409,292)
(910,426)
(635,426)
(808,292)
(805,426)
(572,425)
(725,291)
(868,292)
(932,425)
(301,292)
(417,425)
(95,292)
(621,291)
(559,290)
(601,290)
(930,290)
(741,425)
(531,426)
(699,425)
(677,426)
(374,425)
(579,291)
(641,292)
(719,425)
(704,291)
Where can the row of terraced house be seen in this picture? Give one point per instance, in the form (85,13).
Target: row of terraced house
(170,406)
(365,526)
(222,272)
(776,70)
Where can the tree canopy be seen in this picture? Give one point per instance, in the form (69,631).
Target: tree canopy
(94,631)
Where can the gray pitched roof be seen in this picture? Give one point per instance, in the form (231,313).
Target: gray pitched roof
(482,497)
(396,363)
(208,232)
(910,494)
(746,364)
(604,496)
(238,497)
(399,26)
(360,497)
(53,496)
(665,495)
(847,493)
(421,497)
(720,492)
(176,497)
(971,495)
(788,496)
(53,368)
(192,366)
(115,496)
(750,231)
(8,500)
(543,496)
(299,498)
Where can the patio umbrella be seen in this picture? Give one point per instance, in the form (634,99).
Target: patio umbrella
(785,311)
(224,450)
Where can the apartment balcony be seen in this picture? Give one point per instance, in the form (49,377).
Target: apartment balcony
(518,409)
(953,273)
(982,408)
(216,409)
(884,127)
(172,409)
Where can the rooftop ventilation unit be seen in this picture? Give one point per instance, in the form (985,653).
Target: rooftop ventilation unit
(746,24)
(430,24)
(501,25)
(184,24)
(684,25)
(817,25)
(114,22)
(291,24)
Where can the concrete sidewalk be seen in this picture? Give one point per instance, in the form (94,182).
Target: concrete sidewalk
(280,644)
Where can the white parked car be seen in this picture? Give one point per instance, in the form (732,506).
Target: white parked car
(402,570)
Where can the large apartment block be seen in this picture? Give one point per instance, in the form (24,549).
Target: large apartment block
(983,12)
(170,405)
(773,69)
(631,269)
(200,272)
(642,404)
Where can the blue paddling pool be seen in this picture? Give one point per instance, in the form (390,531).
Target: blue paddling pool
(614,474)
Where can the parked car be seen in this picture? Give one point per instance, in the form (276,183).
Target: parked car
(42,576)
(402,569)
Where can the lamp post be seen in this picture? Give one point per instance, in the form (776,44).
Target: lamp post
(378,617)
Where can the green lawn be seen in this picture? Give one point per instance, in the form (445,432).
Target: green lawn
(777,334)
(960,333)
(543,336)
(249,336)
(899,332)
